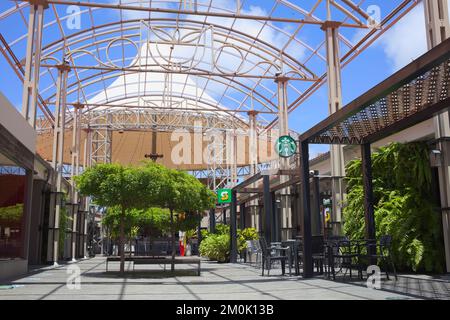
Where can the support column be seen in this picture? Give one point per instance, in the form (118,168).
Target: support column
(82,224)
(260,214)
(369,212)
(268,208)
(233,228)
(101,141)
(308,270)
(199,233)
(282,83)
(32,70)
(224,216)
(253,205)
(212,220)
(75,170)
(276,219)
(438,30)
(242,213)
(58,161)
(295,209)
(253,142)
(318,216)
(331,29)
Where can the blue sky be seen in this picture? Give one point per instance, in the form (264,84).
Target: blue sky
(397,47)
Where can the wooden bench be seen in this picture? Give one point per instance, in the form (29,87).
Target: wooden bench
(116,259)
(157,260)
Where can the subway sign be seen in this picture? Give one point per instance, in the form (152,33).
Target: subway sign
(224,196)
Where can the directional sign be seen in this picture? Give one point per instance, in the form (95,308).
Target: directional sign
(285,146)
(224,196)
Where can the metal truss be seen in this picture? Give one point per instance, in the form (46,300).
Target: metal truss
(174,64)
(208,25)
(142,119)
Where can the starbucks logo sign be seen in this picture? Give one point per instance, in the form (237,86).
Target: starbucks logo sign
(285,146)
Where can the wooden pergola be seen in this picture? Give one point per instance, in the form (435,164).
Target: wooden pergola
(412,95)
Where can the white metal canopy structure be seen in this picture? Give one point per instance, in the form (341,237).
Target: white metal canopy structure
(150,58)
(95,69)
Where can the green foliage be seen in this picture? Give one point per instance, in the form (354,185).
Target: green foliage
(114,185)
(216,246)
(249,234)
(181,192)
(404,206)
(190,234)
(222,229)
(112,222)
(12,213)
(64,224)
(123,187)
(128,192)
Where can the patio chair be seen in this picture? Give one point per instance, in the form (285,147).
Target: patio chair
(382,251)
(253,249)
(318,253)
(347,255)
(271,254)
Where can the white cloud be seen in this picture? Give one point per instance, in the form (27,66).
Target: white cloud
(407,40)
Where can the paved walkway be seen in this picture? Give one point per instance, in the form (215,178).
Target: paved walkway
(218,281)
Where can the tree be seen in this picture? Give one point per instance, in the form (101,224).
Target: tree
(182,193)
(113,185)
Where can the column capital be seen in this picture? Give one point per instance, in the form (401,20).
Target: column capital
(330,25)
(64,67)
(78,106)
(281,79)
(252,113)
(43,3)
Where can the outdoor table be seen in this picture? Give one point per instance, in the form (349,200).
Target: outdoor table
(332,244)
(284,251)
(296,248)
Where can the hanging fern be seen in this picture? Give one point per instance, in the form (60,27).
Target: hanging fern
(405,206)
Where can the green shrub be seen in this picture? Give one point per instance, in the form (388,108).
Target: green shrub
(405,207)
(216,246)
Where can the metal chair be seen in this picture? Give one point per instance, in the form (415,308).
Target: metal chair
(253,249)
(347,255)
(382,251)
(318,252)
(270,254)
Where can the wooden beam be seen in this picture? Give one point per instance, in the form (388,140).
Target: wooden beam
(416,68)
(308,269)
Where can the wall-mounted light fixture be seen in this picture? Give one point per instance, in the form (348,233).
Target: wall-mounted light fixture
(435,158)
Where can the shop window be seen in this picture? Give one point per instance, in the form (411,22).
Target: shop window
(12,217)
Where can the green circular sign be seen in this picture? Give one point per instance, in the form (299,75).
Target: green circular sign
(286,146)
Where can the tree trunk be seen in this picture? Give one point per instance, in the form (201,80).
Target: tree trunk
(172,230)
(122,242)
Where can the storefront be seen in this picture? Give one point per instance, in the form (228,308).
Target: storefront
(17,149)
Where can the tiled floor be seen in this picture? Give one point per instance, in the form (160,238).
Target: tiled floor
(218,281)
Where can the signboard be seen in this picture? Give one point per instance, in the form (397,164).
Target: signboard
(285,146)
(224,196)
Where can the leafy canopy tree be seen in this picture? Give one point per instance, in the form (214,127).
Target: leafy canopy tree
(184,194)
(125,187)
